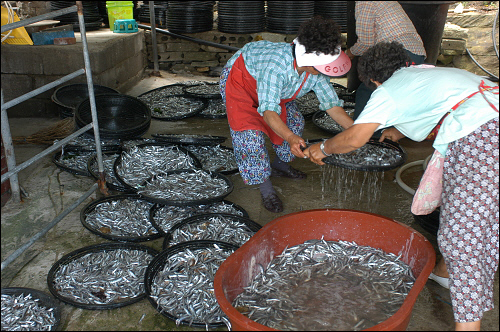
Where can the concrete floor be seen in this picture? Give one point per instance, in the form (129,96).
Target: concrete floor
(52,191)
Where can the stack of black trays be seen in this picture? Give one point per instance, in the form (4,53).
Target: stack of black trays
(144,13)
(190,16)
(93,19)
(287,16)
(241,16)
(336,10)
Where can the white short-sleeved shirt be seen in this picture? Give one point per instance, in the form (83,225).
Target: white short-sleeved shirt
(414,99)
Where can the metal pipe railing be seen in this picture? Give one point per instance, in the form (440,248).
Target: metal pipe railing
(12,173)
(195,40)
(47,228)
(152,19)
(9,155)
(28,21)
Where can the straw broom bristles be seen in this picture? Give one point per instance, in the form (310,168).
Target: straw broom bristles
(47,136)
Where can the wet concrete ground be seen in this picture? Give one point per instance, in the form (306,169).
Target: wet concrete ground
(52,190)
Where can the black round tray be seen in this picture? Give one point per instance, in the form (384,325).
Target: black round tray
(319,115)
(252,225)
(158,264)
(207,200)
(226,171)
(117,187)
(203,103)
(91,249)
(76,171)
(69,96)
(189,139)
(92,205)
(119,116)
(385,144)
(44,300)
(188,90)
(204,114)
(196,162)
(171,89)
(196,208)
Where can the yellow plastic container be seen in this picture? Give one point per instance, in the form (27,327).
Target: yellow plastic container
(18,36)
(119,10)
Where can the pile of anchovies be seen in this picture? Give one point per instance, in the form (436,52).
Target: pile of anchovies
(308,103)
(24,313)
(122,217)
(203,89)
(217,228)
(89,143)
(104,277)
(108,162)
(214,158)
(184,186)
(368,155)
(326,122)
(140,163)
(184,288)
(168,216)
(215,106)
(129,144)
(327,285)
(175,106)
(76,160)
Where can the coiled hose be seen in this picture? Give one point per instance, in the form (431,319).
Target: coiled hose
(403,185)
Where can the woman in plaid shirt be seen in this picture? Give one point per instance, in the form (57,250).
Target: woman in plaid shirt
(259,85)
(383,21)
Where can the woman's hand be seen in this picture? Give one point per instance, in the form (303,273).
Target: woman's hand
(314,154)
(296,142)
(392,134)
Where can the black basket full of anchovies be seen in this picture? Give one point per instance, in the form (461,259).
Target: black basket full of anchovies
(189,139)
(179,283)
(222,227)
(28,309)
(373,156)
(102,276)
(140,162)
(108,160)
(120,218)
(186,187)
(215,158)
(164,217)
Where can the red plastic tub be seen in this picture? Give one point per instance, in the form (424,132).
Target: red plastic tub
(364,228)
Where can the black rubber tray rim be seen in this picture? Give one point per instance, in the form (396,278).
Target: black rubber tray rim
(165,87)
(91,207)
(201,95)
(204,104)
(156,207)
(225,172)
(191,139)
(110,185)
(386,144)
(118,161)
(192,202)
(206,216)
(92,249)
(158,263)
(317,116)
(74,171)
(44,300)
(75,92)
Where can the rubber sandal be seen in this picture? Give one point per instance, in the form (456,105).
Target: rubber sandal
(292,173)
(444,282)
(273,203)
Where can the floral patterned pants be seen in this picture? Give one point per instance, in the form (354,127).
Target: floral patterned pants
(468,230)
(249,145)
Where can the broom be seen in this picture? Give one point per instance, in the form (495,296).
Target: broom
(47,136)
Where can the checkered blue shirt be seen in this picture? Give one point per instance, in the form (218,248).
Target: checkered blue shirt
(271,64)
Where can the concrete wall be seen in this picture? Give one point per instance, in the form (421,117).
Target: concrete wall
(117,61)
